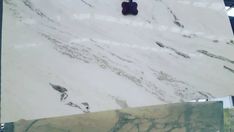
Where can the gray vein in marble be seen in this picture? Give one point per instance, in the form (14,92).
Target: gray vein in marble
(215,56)
(120,102)
(231,42)
(86,3)
(29,4)
(86,104)
(176,21)
(166,77)
(60,31)
(30,125)
(113,54)
(189,35)
(62,90)
(228,68)
(215,41)
(73,105)
(58,88)
(182,89)
(206,95)
(172,49)
(135,123)
(85,54)
(12,7)
(63,97)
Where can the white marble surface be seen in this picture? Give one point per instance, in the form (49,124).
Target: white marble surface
(61,56)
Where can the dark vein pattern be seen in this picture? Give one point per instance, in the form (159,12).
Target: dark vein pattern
(176,20)
(228,68)
(63,97)
(181,88)
(215,56)
(189,36)
(231,42)
(61,90)
(172,49)
(87,54)
(86,3)
(29,4)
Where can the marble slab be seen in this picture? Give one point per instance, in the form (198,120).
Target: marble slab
(229,120)
(63,57)
(188,117)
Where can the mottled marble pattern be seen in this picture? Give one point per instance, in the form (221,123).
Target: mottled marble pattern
(63,57)
(188,117)
(229,120)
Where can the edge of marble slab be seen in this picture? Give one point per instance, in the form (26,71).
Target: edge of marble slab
(129,109)
(1,14)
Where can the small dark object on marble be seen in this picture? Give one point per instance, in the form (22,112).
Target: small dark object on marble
(129,8)
(86,105)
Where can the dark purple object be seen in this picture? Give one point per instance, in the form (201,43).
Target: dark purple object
(129,8)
